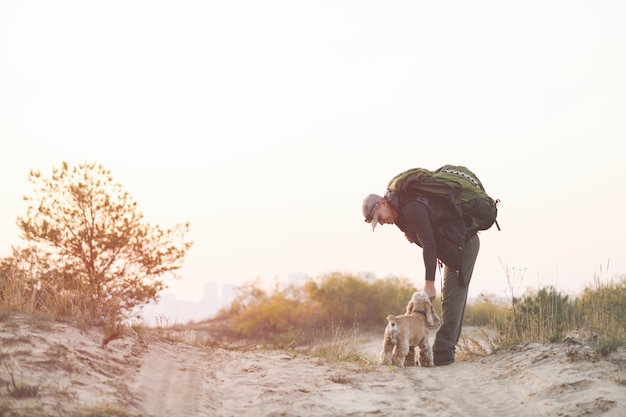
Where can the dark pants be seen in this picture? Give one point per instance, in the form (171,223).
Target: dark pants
(454,299)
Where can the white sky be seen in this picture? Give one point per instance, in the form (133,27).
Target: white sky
(265,124)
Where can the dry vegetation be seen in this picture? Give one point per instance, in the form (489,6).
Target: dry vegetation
(321,319)
(299,316)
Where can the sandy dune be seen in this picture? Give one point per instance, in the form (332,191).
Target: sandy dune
(148,376)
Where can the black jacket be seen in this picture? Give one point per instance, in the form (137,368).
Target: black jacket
(434,225)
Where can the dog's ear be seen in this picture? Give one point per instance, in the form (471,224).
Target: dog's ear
(409,307)
(431,316)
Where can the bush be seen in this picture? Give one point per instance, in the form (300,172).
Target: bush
(598,315)
(349,299)
(277,316)
(340,301)
(545,315)
(296,314)
(481,312)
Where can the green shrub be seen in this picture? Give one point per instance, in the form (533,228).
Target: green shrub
(299,314)
(349,299)
(270,315)
(597,315)
(344,301)
(604,346)
(480,312)
(544,315)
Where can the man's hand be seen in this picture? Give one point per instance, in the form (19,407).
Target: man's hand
(429,287)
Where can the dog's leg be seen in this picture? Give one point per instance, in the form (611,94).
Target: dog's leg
(389,342)
(410,357)
(385,354)
(426,354)
(400,352)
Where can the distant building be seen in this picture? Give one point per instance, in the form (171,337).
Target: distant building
(211,291)
(228,294)
(297,279)
(171,310)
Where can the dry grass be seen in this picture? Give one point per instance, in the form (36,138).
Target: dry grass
(546,316)
(597,316)
(335,343)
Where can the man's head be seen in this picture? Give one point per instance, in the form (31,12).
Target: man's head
(377,210)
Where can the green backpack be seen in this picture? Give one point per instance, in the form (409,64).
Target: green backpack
(456,184)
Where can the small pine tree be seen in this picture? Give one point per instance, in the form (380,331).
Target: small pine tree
(96,243)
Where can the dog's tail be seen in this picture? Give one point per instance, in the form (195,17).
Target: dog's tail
(392,330)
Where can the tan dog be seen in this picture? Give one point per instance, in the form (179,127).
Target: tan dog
(410,330)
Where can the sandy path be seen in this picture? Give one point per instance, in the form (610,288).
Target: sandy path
(148,376)
(171,380)
(535,380)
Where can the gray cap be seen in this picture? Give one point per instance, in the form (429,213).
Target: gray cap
(369,209)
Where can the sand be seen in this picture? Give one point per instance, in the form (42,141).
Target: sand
(142,375)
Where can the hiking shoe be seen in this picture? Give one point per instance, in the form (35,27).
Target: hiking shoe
(442,358)
(443,363)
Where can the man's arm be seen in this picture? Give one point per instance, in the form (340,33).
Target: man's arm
(416,214)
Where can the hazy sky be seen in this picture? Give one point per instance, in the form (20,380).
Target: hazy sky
(265,123)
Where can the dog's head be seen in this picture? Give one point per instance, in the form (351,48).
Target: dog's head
(420,301)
